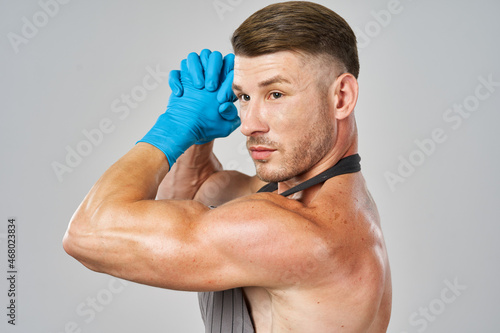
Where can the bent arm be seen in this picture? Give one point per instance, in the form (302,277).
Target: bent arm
(190,171)
(120,230)
(198,175)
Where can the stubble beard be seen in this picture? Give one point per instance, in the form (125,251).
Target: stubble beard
(297,159)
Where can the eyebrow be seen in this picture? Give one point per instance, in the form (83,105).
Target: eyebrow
(267,82)
(273,80)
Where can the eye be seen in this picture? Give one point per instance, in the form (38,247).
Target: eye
(276,95)
(244,98)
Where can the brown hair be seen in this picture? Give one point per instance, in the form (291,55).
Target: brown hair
(301,26)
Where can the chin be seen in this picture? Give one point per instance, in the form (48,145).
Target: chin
(268,174)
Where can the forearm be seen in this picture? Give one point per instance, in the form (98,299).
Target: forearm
(189,173)
(101,224)
(134,177)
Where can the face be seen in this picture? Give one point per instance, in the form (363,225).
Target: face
(286,115)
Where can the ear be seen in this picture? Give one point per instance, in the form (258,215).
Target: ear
(345,90)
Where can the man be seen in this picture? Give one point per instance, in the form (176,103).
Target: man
(296,257)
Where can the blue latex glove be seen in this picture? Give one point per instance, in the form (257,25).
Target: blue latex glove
(200,107)
(206,71)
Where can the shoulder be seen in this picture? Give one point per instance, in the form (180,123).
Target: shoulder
(352,230)
(334,234)
(265,232)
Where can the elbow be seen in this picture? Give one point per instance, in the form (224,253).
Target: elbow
(68,243)
(72,245)
(77,244)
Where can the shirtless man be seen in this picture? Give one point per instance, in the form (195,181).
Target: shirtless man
(313,261)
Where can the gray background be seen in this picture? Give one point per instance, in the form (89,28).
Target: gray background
(439,217)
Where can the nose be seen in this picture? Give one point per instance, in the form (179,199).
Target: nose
(252,120)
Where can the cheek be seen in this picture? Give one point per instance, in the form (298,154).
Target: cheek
(285,127)
(296,115)
(287,116)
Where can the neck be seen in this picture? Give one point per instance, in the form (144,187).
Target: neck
(345,145)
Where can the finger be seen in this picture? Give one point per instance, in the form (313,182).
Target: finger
(235,123)
(184,66)
(174,81)
(225,93)
(228,65)
(204,55)
(228,111)
(213,71)
(195,70)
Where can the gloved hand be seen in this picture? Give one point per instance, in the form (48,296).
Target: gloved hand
(200,107)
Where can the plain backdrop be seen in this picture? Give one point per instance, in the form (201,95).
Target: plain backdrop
(427,117)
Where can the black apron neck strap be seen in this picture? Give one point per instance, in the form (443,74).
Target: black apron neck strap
(349,164)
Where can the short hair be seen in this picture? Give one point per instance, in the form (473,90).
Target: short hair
(300,26)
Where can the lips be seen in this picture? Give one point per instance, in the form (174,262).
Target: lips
(261,153)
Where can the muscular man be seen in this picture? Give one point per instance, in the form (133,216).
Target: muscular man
(306,253)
